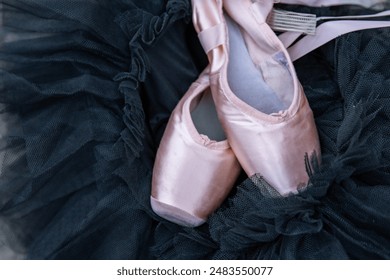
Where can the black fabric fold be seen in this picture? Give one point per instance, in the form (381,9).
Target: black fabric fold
(86,90)
(73,181)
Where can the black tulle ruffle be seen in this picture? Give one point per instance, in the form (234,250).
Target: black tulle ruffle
(86,89)
(343,213)
(73,180)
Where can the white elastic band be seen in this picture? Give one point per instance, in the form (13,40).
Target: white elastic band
(288,38)
(329,31)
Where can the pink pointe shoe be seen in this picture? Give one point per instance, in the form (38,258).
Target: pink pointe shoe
(193,173)
(259,100)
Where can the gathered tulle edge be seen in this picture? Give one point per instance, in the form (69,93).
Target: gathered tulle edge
(256,216)
(142,29)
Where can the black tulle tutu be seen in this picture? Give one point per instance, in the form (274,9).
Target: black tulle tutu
(86,90)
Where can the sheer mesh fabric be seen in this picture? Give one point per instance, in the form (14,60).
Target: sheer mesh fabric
(75,160)
(86,89)
(343,213)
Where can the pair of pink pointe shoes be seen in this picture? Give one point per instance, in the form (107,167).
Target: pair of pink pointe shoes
(249,95)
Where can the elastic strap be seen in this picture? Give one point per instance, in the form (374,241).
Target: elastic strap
(329,31)
(288,38)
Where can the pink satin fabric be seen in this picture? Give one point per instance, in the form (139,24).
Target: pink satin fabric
(192,174)
(273,149)
(273,146)
(329,31)
(319,3)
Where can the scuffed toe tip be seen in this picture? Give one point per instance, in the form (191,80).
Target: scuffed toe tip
(174,214)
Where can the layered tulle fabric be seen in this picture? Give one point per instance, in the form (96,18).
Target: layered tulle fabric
(343,214)
(86,88)
(76,148)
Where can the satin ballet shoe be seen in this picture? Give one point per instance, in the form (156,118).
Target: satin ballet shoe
(259,100)
(193,173)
